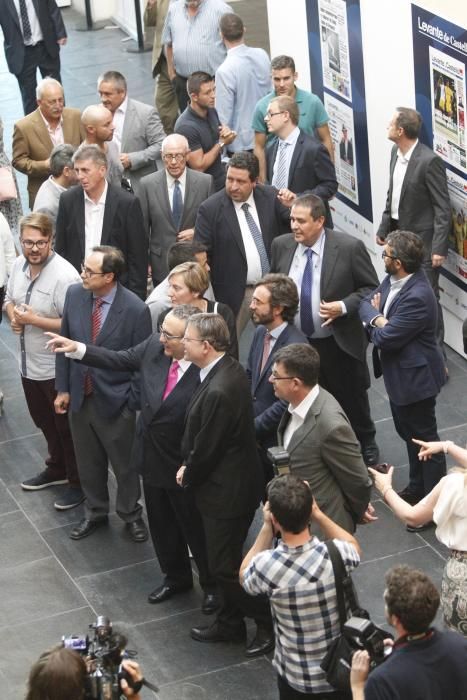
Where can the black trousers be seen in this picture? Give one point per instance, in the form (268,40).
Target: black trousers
(180,90)
(175,522)
(61,461)
(418,420)
(36,57)
(224,540)
(348,380)
(286,692)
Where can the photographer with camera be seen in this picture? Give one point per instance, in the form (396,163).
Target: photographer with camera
(298,578)
(424,663)
(61,674)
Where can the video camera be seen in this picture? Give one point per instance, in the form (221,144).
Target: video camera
(280,460)
(363,634)
(103,654)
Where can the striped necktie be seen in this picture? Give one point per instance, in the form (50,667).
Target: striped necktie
(306,313)
(257,237)
(280,179)
(23,11)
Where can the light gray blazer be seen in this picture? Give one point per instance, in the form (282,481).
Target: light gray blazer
(142,137)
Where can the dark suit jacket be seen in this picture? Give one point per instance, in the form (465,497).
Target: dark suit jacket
(219,445)
(52,27)
(122,227)
(409,355)
(325,452)
(267,408)
(311,170)
(347,275)
(346,157)
(424,205)
(154,198)
(218,229)
(128,323)
(161,423)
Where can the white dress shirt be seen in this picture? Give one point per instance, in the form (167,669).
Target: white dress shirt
(36,31)
(205,371)
(93,221)
(396,286)
(118,120)
(398,176)
(298,414)
(254,272)
(56,134)
(171,186)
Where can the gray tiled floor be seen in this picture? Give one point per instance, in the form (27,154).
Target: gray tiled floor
(52,586)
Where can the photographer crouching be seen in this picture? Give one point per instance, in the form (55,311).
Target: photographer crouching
(298,578)
(425,662)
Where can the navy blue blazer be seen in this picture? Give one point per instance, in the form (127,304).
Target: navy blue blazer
(268,409)
(410,358)
(128,323)
(161,423)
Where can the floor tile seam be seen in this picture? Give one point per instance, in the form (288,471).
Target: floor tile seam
(7,568)
(212,672)
(20,437)
(452,427)
(8,349)
(431,546)
(394,554)
(43,619)
(10,512)
(168,616)
(111,571)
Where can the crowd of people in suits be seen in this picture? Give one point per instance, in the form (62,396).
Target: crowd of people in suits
(235,227)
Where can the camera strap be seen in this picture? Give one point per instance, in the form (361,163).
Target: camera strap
(345,589)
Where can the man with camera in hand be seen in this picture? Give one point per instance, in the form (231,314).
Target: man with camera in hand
(298,577)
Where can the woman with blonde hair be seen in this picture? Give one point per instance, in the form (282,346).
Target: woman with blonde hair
(188,283)
(446,504)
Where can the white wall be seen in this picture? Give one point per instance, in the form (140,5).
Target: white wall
(100,9)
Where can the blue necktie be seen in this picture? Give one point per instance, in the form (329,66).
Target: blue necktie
(258,239)
(306,315)
(177,205)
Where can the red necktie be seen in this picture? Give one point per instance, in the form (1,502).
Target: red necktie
(96,320)
(172,379)
(266,350)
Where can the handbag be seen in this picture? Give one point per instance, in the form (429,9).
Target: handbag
(7,184)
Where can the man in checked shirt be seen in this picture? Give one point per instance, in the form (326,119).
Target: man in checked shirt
(297,576)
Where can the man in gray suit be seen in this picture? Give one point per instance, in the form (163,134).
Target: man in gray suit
(138,129)
(170,200)
(418,198)
(317,434)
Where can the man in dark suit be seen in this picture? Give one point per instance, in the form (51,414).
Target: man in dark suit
(94,213)
(273,308)
(102,403)
(33,33)
(296,162)
(346,147)
(222,469)
(400,317)
(333,272)
(170,200)
(418,198)
(317,435)
(237,226)
(167,383)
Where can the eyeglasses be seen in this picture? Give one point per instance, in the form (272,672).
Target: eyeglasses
(386,255)
(276,378)
(90,273)
(177,157)
(193,340)
(40,245)
(268,115)
(169,336)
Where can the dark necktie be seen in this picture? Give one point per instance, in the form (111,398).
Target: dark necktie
(96,322)
(23,10)
(266,350)
(257,237)
(306,315)
(177,205)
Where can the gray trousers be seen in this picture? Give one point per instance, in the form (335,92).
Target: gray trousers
(99,440)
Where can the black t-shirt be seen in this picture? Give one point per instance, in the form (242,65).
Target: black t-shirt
(428,669)
(203,133)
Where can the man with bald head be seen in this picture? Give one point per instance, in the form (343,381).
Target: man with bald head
(35,135)
(99,128)
(170,200)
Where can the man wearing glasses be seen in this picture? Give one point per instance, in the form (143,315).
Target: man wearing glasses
(170,200)
(102,403)
(34,303)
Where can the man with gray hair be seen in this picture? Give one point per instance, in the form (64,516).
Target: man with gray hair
(221,468)
(96,213)
(62,177)
(170,200)
(35,136)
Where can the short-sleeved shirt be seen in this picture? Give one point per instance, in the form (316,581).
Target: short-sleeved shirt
(46,295)
(299,582)
(203,134)
(312,112)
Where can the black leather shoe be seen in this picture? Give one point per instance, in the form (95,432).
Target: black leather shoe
(86,527)
(137,530)
(263,643)
(214,634)
(210,603)
(370,454)
(420,528)
(165,592)
(409,496)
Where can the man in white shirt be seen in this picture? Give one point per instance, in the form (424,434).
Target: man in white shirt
(63,176)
